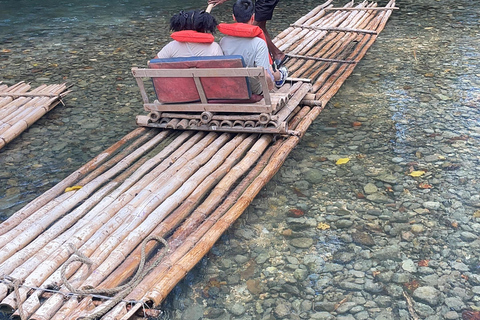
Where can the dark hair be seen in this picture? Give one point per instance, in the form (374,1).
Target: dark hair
(200,21)
(243,10)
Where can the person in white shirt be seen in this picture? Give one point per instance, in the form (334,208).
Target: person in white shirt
(192,36)
(248,40)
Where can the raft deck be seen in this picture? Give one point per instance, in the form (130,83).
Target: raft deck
(20,108)
(164,196)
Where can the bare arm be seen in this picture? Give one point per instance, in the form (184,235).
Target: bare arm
(216,2)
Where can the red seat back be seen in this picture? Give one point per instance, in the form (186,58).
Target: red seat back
(182,90)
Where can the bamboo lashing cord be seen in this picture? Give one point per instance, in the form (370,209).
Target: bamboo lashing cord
(16,283)
(122,290)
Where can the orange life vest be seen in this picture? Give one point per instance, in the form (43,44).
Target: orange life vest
(192,36)
(242,30)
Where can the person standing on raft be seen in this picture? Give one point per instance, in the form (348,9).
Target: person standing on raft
(192,36)
(263,13)
(247,40)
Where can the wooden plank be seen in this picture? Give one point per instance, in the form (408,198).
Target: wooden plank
(201,92)
(212,107)
(207,72)
(221,117)
(281,129)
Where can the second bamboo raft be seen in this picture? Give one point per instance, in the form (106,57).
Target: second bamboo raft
(20,108)
(92,229)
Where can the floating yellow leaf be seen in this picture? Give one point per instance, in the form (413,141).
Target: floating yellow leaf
(73,188)
(476,214)
(417,173)
(323,226)
(342,161)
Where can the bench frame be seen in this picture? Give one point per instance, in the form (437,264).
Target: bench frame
(264,105)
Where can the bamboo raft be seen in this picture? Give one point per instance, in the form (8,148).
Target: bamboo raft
(20,108)
(141,214)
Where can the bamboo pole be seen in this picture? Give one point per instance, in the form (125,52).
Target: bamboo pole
(308,19)
(128,266)
(167,206)
(118,201)
(295,38)
(375,9)
(56,190)
(50,235)
(87,189)
(183,246)
(284,113)
(294,66)
(334,29)
(240,169)
(335,46)
(320,90)
(21,237)
(362,48)
(186,187)
(124,152)
(177,271)
(50,266)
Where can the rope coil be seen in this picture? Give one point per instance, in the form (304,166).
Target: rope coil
(120,291)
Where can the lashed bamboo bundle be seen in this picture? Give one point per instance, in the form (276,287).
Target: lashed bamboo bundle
(186,187)
(19,109)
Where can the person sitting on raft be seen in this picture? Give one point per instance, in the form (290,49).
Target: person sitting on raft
(192,36)
(245,39)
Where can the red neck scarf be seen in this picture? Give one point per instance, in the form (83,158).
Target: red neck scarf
(192,36)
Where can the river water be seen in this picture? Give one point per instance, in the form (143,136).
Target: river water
(322,240)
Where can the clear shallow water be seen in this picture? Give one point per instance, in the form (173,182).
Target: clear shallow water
(416,94)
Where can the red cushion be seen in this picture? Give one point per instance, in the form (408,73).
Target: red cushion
(182,90)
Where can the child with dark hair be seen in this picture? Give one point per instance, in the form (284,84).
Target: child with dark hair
(192,36)
(248,40)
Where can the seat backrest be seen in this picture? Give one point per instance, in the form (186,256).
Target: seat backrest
(181,90)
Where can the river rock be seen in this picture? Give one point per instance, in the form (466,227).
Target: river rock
(428,294)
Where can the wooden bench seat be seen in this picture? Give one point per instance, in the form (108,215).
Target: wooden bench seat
(212,94)
(197,84)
